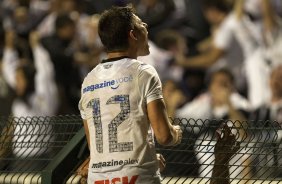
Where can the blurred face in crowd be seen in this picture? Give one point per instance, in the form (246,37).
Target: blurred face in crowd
(275,82)
(220,81)
(68,6)
(213,16)
(67,32)
(140,29)
(21,14)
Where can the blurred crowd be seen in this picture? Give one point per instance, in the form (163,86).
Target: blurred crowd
(48,46)
(217,59)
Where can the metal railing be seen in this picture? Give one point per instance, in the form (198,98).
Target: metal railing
(49,150)
(258,159)
(28,146)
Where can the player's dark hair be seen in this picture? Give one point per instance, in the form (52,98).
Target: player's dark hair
(63,20)
(221,5)
(114,26)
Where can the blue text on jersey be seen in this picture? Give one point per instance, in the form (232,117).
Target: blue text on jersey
(114,84)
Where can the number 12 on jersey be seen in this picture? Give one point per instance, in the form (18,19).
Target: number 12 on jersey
(114,146)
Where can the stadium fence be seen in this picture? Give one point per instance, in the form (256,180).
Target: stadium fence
(49,150)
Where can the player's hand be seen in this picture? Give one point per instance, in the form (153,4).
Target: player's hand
(178,131)
(83,171)
(161,161)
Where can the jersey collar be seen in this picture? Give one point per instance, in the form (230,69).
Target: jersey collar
(113,59)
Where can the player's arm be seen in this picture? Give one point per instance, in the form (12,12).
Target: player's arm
(203,60)
(150,86)
(166,134)
(86,132)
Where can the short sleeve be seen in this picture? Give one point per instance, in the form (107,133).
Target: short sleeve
(150,83)
(81,109)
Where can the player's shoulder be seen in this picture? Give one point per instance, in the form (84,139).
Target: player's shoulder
(89,77)
(145,68)
(91,73)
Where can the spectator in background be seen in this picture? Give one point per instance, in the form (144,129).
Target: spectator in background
(263,43)
(158,58)
(277,6)
(171,41)
(198,28)
(6,96)
(6,93)
(22,18)
(33,81)
(75,9)
(91,50)
(268,120)
(85,43)
(224,49)
(59,46)
(174,96)
(224,149)
(72,7)
(220,102)
(47,25)
(191,80)
(155,13)
(34,85)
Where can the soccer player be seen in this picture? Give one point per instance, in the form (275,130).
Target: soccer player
(122,105)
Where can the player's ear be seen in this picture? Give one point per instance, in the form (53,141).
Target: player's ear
(132,35)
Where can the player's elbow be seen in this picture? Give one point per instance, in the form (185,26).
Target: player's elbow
(165,139)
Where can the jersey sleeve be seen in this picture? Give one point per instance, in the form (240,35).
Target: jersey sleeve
(149,83)
(81,109)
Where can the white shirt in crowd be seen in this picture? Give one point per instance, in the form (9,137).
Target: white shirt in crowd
(251,53)
(43,102)
(200,109)
(260,64)
(225,38)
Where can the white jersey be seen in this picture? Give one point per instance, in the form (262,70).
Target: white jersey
(114,98)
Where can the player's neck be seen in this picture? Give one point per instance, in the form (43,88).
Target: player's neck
(111,55)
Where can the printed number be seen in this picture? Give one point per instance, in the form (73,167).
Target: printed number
(114,146)
(95,104)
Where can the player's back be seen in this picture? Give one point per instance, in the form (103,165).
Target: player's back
(114,98)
